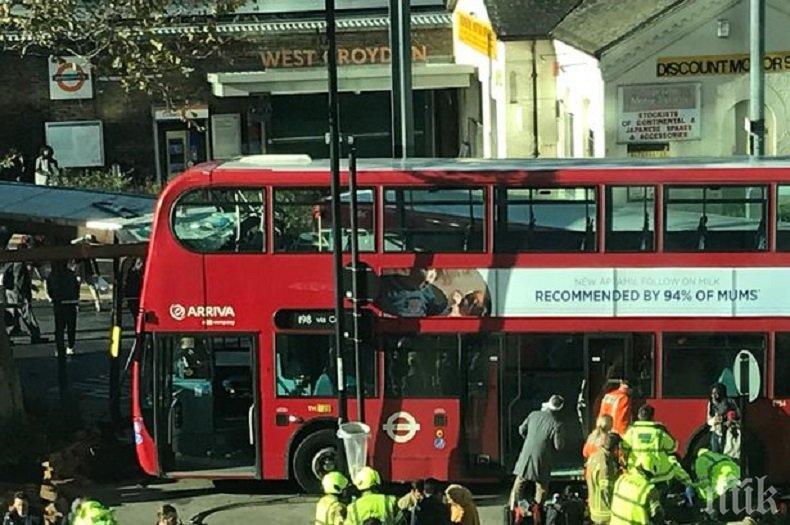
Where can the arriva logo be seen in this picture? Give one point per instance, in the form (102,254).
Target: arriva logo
(180,312)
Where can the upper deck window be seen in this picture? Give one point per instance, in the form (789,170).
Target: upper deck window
(783,218)
(715,218)
(442,220)
(630,218)
(303,220)
(221,220)
(546,219)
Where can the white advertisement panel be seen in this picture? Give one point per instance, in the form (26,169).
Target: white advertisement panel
(658,112)
(76,144)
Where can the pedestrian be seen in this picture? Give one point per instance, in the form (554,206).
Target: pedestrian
(603,469)
(20,293)
(595,440)
(46,167)
(732,436)
(132,284)
(718,406)
(14,166)
(462,506)
(167,515)
(410,499)
(19,512)
(331,508)
(63,289)
(93,279)
(544,435)
(635,499)
(372,503)
(617,404)
(430,509)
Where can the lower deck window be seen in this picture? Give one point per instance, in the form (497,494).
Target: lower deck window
(782,366)
(422,366)
(694,362)
(304,367)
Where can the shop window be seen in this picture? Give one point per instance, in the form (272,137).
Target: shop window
(630,218)
(546,219)
(304,367)
(783,218)
(221,220)
(782,366)
(303,220)
(715,218)
(434,220)
(422,366)
(694,362)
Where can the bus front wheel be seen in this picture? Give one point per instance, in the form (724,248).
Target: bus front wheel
(316,455)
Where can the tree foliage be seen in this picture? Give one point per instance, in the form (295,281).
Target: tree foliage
(147,45)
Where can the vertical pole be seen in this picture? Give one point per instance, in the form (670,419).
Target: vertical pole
(535,146)
(115,342)
(402,99)
(757,78)
(337,244)
(352,188)
(743,399)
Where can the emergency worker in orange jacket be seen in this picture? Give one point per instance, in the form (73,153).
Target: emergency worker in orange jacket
(617,404)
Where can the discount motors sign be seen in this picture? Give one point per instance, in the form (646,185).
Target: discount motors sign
(658,112)
(69,78)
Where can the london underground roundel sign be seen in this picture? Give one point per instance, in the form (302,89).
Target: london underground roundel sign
(401,427)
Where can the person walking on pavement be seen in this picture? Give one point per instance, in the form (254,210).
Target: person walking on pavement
(718,406)
(20,293)
(603,469)
(543,436)
(462,506)
(63,289)
(617,405)
(93,279)
(46,167)
(331,508)
(635,499)
(371,503)
(430,509)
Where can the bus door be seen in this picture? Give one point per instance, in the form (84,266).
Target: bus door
(607,357)
(206,405)
(480,399)
(533,367)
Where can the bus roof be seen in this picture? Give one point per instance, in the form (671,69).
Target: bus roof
(305,163)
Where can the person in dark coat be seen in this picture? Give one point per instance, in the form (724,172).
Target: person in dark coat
(20,292)
(19,512)
(543,436)
(63,289)
(430,509)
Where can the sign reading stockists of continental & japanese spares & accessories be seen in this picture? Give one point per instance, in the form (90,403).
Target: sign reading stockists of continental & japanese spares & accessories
(658,112)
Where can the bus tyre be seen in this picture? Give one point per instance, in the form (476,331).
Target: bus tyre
(316,455)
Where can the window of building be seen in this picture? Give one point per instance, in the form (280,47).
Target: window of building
(715,218)
(694,362)
(304,367)
(229,220)
(303,220)
(546,219)
(422,366)
(783,218)
(434,220)
(782,366)
(630,218)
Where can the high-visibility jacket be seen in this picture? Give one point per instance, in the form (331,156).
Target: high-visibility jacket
(635,500)
(617,404)
(329,511)
(669,468)
(716,474)
(648,438)
(601,474)
(374,505)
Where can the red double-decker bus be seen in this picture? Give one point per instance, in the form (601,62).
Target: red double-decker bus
(499,283)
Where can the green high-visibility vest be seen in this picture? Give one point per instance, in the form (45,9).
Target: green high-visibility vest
(635,500)
(717,472)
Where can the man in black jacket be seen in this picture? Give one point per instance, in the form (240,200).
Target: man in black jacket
(63,289)
(431,510)
(19,513)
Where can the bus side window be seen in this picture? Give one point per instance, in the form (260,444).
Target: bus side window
(782,366)
(221,220)
(715,218)
(422,366)
(630,218)
(783,218)
(694,362)
(303,220)
(546,219)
